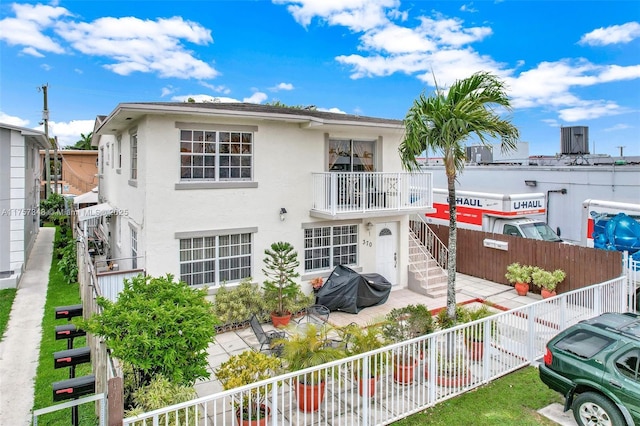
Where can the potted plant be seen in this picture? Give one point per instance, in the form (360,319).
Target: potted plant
(361,340)
(474,335)
(243,369)
(309,348)
(280,290)
(452,371)
(316,284)
(520,276)
(547,281)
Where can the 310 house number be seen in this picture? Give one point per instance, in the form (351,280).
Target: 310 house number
(367,243)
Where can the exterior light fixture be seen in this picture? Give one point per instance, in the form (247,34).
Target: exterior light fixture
(369,225)
(283,211)
(531,182)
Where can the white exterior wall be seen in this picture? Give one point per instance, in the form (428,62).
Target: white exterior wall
(285,155)
(19,205)
(612,183)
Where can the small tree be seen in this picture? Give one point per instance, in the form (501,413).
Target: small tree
(158,326)
(280,289)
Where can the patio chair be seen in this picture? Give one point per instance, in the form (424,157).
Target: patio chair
(265,338)
(316,314)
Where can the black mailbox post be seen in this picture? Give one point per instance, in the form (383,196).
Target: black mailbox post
(74,388)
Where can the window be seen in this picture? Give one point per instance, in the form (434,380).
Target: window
(134,156)
(215,155)
(347,155)
(113,158)
(119,152)
(329,246)
(216,259)
(583,344)
(134,249)
(628,364)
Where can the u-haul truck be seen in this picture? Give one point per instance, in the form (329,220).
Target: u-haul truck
(611,225)
(522,215)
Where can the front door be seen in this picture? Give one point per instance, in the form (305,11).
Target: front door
(387,251)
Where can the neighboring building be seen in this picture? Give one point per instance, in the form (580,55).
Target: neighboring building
(200,190)
(620,183)
(78,171)
(19,199)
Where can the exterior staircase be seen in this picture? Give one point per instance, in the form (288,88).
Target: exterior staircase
(427,261)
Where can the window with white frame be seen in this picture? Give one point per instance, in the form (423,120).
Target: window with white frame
(326,247)
(119,152)
(215,155)
(134,249)
(214,260)
(349,155)
(134,156)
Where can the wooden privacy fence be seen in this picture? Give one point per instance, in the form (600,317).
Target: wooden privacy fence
(584,265)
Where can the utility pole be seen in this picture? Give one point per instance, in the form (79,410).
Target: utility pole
(47,160)
(621,150)
(55,165)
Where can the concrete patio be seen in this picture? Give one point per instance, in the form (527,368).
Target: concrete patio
(470,289)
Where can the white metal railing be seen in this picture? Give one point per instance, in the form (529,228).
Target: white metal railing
(338,193)
(517,338)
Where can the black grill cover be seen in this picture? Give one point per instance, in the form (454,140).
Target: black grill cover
(348,291)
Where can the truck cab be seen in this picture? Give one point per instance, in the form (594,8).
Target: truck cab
(521,227)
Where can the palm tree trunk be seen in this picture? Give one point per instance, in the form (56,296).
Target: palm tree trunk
(451,261)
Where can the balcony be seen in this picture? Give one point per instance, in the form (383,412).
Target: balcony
(367,194)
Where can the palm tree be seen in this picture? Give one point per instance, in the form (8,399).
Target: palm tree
(84,142)
(441,123)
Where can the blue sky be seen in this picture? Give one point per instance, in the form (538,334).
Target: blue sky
(566,63)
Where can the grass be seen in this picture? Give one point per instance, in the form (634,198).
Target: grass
(510,400)
(59,293)
(6,300)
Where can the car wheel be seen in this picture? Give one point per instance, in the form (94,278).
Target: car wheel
(591,409)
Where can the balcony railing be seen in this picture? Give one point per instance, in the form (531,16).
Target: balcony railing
(353,193)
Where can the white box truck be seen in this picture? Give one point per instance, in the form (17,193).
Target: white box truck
(610,225)
(522,215)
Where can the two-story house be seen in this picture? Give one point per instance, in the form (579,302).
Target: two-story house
(200,190)
(19,198)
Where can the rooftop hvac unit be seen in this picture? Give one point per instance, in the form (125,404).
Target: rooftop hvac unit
(574,140)
(479,154)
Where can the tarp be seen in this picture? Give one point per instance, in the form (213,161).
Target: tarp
(348,291)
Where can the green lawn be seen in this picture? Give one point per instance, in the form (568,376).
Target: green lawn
(6,300)
(59,293)
(511,400)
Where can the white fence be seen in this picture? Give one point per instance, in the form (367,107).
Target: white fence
(518,337)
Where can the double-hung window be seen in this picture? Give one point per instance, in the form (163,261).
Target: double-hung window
(215,155)
(326,247)
(214,260)
(134,157)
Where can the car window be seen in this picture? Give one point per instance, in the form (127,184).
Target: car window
(583,343)
(628,364)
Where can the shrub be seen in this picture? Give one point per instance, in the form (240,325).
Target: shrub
(160,327)
(68,263)
(159,394)
(238,304)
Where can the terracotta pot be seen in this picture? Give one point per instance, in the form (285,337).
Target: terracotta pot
(475,350)
(280,321)
(521,288)
(454,381)
(309,397)
(372,386)
(404,373)
(547,293)
(265,413)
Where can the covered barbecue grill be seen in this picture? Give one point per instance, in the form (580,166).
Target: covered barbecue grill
(348,291)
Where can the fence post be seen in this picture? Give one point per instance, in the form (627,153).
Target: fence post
(115,401)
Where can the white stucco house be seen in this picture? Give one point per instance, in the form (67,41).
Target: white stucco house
(200,190)
(19,198)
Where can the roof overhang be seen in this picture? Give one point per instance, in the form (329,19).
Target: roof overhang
(90,197)
(92,212)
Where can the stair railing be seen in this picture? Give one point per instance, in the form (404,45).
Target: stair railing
(430,240)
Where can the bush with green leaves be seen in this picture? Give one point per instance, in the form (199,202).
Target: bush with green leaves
(159,394)
(234,305)
(280,289)
(52,206)
(160,327)
(68,263)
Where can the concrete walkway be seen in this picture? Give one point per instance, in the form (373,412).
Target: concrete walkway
(20,347)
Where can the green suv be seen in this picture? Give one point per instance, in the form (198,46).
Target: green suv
(595,364)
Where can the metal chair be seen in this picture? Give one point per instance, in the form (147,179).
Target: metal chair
(265,338)
(316,314)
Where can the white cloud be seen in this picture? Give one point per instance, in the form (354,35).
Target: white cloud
(32,52)
(590,110)
(281,86)
(203,98)
(13,120)
(216,88)
(26,29)
(612,35)
(68,133)
(468,8)
(256,98)
(334,110)
(617,127)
